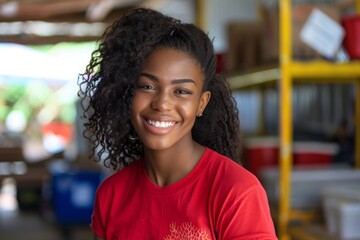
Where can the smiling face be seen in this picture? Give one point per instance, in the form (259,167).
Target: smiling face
(167,100)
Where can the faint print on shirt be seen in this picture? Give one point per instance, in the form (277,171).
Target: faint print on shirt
(186,231)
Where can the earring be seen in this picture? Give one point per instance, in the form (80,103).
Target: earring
(132,136)
(199,115)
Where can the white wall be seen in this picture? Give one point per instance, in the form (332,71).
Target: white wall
(220,12)
(181,9)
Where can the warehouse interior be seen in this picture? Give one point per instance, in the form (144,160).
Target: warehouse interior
(294,71)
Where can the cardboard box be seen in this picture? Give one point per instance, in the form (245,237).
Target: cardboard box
(244,46)
(300,14)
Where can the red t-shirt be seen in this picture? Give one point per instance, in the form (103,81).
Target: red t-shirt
(218,199)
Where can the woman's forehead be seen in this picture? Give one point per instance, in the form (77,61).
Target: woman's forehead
(168,61)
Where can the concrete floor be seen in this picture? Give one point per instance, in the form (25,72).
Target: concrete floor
(30,225)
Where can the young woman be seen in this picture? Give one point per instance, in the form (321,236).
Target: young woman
(160,115)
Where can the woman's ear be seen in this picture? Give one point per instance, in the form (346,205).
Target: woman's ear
(204,100)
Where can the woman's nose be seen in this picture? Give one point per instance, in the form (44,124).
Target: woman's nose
(162,102)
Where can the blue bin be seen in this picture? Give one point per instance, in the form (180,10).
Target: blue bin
(73,195)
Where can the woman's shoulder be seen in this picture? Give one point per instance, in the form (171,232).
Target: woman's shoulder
(122,176)
(231,183)
(229,172)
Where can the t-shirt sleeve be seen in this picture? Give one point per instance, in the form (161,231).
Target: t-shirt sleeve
(247,216)
(97,223)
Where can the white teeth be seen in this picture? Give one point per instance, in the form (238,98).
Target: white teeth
(161,124)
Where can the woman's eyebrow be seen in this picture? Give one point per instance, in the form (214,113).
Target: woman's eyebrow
(185,80)
(150,76)
(175,81)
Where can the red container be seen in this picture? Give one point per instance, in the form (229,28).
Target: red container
(63,130)
(351,25)
(261,153)
(314,153)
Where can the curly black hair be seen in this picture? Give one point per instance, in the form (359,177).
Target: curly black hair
(107,87)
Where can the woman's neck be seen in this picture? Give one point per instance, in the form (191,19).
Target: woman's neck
(165,167)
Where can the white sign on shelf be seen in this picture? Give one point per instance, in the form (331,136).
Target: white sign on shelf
(322,33)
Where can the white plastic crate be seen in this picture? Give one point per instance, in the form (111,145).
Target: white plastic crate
(348,216)
(342,211)
(307,184)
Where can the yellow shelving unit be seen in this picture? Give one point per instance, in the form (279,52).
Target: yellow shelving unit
(290,70)
(285,75)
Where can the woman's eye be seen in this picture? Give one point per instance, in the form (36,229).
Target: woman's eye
(146,87)
(182,91)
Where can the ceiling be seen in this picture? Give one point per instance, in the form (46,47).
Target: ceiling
(52,21)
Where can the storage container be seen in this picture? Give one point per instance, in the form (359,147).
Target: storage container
(349,219)
(73,195)
(351,25)
(342,211)
(343,221)
(261,153)
(314,153)
(308,183)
